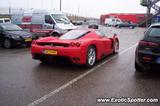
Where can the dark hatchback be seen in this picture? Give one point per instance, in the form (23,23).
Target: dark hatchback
(12,35)
(126,24)
(148,51)
(93,24)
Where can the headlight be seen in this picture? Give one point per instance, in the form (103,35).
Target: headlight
(15,36)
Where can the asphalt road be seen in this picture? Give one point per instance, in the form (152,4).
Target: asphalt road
(24,81)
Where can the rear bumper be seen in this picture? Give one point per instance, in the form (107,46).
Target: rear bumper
(148,59)
(74,54)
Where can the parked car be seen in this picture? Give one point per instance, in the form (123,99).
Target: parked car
(125,24)
(5,20)
(93,24)
(79,46)
(148,50)
(77,22)
(12,35)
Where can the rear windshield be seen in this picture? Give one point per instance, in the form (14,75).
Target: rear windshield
(74,34)
(154,31)
(93,22)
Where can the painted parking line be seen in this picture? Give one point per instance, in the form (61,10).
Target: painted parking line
(43,98)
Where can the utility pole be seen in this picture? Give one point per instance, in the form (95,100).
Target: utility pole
(148,12)
(78,18)
(148,15)
(60,5)
(10,7)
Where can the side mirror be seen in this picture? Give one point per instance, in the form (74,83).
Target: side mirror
(53,26)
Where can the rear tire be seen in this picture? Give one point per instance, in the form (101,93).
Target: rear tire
(91,56)
(116,46)
(7,43)
(138,67)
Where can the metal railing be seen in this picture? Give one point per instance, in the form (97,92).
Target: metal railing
(150,4)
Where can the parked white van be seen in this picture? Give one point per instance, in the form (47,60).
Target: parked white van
(53,22)
(112,21)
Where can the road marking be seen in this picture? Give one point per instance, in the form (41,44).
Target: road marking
(38,101)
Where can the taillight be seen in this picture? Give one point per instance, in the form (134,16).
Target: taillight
(145,43)
(72,43)
(34,42)
(77,44)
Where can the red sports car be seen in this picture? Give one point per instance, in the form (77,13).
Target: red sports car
(79,46)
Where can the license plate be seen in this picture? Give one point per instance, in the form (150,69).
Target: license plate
(158,60)
(50,52)
(28,39)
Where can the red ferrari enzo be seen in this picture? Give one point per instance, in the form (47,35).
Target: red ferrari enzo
(79,46)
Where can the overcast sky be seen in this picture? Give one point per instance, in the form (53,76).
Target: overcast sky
(93,8)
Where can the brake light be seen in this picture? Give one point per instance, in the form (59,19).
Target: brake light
(72,43)
(78,44)
(146,58)
(145,43)
(34,42)
(75,44)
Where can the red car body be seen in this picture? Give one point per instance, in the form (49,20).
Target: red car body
(74,49)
